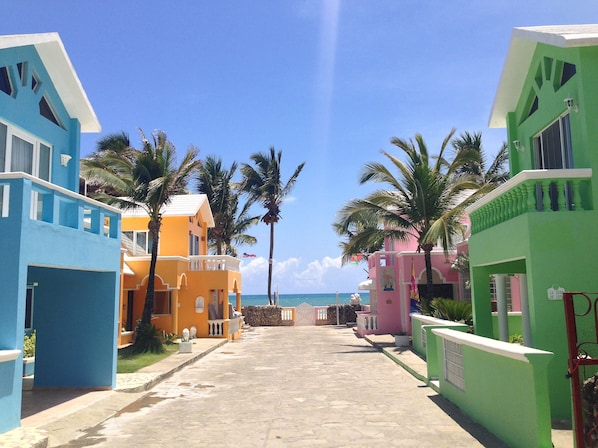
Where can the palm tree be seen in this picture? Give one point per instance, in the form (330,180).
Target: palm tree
(263,183)
(146,178)
(223,195)
(496,173)
(425,201)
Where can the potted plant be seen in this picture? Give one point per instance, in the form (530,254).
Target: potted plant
(401,339)
(29,354)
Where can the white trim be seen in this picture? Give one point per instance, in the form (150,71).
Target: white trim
(527,175)
(51,51)
(59,189)
(506,349)
(9,355)
(519,56)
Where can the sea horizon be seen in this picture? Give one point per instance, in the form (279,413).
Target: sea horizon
(315,299)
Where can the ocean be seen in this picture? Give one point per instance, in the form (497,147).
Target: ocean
(291,300)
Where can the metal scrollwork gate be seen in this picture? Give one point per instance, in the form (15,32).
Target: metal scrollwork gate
(581,316)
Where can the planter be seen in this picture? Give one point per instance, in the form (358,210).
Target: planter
(402,340)
(28,366)
(185,347)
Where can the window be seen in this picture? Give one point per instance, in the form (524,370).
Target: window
(193,244)
(5,84)
(46,111)
(552,151)
(162,302)
(22,152)
(139,242)
(568,72)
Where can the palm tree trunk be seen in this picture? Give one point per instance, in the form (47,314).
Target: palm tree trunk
(270,261)
(154,231)
(425,302)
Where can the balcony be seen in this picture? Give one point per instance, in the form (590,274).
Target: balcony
(25,197)
(214,263)
(533,191)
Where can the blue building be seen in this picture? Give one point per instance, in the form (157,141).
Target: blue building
(60,251)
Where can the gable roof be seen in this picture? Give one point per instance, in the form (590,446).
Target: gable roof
(521,51)
(52,53)
(179,205)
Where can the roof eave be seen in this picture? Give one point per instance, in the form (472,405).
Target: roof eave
(51,51)
(521,50)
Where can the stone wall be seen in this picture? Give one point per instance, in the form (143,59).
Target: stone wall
(262,316)
(269,316)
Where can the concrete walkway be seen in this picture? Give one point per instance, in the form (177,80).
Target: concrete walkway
(277,386)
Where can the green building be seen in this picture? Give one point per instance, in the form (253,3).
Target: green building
(539,226)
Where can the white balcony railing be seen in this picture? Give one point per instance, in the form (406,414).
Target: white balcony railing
(55,205)
(216,327)
(214,263)
(367,322)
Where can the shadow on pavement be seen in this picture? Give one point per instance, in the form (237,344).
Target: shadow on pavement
(476,430)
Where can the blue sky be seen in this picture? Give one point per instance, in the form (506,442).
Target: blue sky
(327,82)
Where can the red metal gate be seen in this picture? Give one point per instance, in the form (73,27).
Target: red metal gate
(581,314)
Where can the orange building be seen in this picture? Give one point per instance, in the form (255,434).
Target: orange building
(191,288)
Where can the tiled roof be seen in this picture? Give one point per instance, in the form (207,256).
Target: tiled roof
(180,205)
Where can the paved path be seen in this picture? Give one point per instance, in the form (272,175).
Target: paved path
(290,387)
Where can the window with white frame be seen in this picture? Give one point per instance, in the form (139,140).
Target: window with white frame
(20,151)
(193,244)
(553,151)
(139,241)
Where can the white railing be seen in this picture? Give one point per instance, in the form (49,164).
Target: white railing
(214,263)
(55,205)
(216,328)
(367,322)
(286,314)
(321,313)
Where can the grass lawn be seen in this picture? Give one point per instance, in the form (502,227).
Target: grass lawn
(129,362)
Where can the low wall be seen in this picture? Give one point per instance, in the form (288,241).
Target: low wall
(271,316)
(421,329)
(262,316)
(502,386)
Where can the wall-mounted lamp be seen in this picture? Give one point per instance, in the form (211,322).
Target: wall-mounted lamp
(64,159)
(571,106)
(518,146)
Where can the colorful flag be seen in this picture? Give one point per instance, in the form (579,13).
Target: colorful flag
(355,259)
(245,255)
(414,293)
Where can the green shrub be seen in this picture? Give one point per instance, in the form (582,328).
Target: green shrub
(29,345)
(169,338)
(148,338)
(453,310)
(516,339)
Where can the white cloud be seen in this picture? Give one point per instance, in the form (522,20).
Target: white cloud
(294,276)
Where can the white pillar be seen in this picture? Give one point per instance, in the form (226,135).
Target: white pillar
(501,307)
(525,317)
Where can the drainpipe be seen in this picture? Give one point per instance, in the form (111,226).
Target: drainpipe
(525,318)
(501,307)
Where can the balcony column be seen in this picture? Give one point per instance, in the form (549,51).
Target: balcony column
(501,307)
(525,318)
